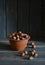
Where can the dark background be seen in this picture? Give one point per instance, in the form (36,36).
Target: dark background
(22,15)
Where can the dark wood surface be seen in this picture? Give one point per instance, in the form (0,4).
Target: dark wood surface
(10,57)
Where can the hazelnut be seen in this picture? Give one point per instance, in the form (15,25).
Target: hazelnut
(23,54)
(33,46)
(26,52)
(13,34)
(16,34)
(20,32)
(26,36)
(18,38)
(23,38)
(36,54)
(31,57)
(32,53)
(33,43)
(14,37)
(10,36)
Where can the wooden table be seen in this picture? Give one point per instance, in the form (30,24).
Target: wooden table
(9,57)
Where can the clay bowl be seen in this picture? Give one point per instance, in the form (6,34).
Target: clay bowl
(18,45)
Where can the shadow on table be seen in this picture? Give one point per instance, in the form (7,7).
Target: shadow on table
(4,46)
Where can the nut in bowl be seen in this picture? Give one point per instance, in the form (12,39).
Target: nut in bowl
(18,42)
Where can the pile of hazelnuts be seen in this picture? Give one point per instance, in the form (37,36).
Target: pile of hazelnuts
(31,54)
(18,36)
(21,36)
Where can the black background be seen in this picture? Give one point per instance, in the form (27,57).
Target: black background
(22,15)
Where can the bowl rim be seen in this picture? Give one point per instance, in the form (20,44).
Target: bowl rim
(20,40)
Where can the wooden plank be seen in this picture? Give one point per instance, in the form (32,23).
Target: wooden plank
(13,57)
(11,8)
(2,23)
(43,19)
(23,15)
(29,17)
(35,18)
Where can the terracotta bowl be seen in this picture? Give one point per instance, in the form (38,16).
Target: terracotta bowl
(18,45)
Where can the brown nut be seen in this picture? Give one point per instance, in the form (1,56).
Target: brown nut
(23,38)
(16,34)
(30,58)
(13,34)
(19,32)
(14,38)
(33,46)
(17,38)
(33,43)
(32,53)
(22,34)
(36,54)
(26,52)
(10,36)
(26,36)
(22,54)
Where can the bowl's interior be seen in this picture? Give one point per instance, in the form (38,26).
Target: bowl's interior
(18,36)
(19,40)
